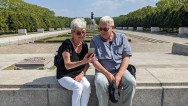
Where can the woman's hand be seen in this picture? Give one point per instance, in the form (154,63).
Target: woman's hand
(79,77)
(88,58)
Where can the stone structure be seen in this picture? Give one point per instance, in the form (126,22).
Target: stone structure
(130,28)
(124,28)
(183,31)
(155,29)
(92,23)
(179,48)
(33,62)
(58,29)
(139,28)
(40,30)
(22,31)
(51,29)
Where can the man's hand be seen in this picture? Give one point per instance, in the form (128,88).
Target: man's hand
(118,79)
(110,77)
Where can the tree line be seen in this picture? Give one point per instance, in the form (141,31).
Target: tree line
(17,14)
(168,15)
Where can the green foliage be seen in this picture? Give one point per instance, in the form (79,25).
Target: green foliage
(17,14)
(167,14)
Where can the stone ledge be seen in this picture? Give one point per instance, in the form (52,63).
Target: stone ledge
(51,93)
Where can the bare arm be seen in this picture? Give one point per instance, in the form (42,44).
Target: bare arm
(69,64)
(81,75)
(101,69)
(123,67)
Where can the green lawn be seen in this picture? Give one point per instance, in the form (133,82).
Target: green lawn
(61,38)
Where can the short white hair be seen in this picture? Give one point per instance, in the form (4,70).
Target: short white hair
(108,20)
(78,23)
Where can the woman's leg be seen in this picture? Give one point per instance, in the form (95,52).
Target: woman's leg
(86,91)
(76,87)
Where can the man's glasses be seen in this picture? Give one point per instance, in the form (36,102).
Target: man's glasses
(104,29)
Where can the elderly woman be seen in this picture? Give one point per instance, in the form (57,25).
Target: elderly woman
(75,64)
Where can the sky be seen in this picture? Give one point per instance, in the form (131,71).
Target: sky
(83,8)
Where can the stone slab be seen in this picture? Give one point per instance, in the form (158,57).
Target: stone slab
(170,76)
(34,62)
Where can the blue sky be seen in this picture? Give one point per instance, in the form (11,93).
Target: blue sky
(83,8)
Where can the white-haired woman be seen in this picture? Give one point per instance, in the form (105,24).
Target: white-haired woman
(75,64)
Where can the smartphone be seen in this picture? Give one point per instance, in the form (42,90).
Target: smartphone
(90,51)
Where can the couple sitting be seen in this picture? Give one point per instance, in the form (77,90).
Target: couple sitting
(110,59)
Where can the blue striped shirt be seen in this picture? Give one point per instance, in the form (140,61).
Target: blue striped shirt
(110,55)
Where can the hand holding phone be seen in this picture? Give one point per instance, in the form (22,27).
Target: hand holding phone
(91,51)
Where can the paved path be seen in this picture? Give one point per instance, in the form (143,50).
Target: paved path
(161,37)
(29,38)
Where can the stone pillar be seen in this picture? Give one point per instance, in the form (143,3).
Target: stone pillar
(183,31)
(22,31)
(139,28)
(40,30)
(155,29)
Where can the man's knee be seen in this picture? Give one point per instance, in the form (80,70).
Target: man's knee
(131,83)
(101,83)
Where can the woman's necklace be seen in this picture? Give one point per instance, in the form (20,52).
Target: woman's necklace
(76,45)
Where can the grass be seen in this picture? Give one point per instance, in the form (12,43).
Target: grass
(11,67)
(52,67)
(61,38)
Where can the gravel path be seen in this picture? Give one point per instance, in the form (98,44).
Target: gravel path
(138,45)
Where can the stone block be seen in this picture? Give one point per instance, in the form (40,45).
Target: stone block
(40,30)
(130,28)
(22,31)
(179,48)
(139,28)
(51,29)
(155,29)
(58,29)
(124,28)
(183,31)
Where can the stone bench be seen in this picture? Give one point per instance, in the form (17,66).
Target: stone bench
(40,88)
(53,94)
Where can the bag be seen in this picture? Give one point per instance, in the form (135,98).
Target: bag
(131,68)
(58,58)
(114,94)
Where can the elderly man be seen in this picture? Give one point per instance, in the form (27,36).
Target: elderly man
(113,54)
